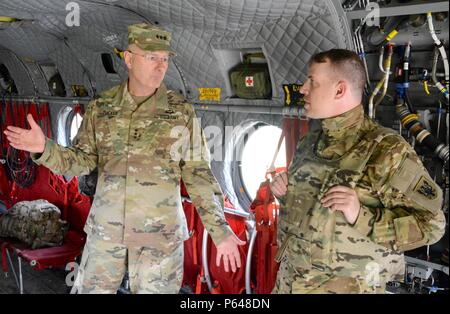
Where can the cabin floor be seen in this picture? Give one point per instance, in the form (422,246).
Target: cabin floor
(48,281)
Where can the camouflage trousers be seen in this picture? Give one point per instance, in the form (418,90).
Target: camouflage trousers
(292,280)
(103,266)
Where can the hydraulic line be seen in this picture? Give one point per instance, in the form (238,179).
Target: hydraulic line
(443,53)
(380,60)
(402,77)
(411,122)
(400,24)
(358,43)
(436,82)
(383,83)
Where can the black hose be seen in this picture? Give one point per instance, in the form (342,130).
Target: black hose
(411,122)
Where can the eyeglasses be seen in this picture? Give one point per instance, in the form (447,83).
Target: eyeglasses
(151,57)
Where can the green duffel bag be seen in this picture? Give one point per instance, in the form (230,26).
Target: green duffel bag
(251,80)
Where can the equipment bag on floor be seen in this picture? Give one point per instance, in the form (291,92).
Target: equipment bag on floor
(37,223)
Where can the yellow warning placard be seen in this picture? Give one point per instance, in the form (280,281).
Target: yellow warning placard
(209,94)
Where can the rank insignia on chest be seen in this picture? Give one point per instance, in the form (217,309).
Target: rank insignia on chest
(166,116)
(109,114)
(425,188)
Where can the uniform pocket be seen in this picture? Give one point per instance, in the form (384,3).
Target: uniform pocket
(298,252)
(407,233)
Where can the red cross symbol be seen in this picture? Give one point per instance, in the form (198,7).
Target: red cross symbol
(249,81)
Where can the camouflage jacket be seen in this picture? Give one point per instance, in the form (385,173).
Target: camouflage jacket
(137,200)
(400,203)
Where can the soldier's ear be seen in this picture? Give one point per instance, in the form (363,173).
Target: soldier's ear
(127,56)
(341,89)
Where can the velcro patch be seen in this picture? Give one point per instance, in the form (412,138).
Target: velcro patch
(109,114)
(417,185)
(167,117)
(426,188)
(292,95)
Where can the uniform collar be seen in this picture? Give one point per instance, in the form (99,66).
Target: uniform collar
(347,123)
(160,96)
(340,133)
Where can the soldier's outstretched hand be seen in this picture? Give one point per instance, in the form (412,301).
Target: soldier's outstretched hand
(228,249)
(32,140)
(279,184)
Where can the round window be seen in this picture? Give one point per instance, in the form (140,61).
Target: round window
(257,156)
(75,125)
(69,122)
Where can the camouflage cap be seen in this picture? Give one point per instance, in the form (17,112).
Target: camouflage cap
(149,37)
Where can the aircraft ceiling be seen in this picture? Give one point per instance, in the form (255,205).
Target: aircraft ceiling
(206,35)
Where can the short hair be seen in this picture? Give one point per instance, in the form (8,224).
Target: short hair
(346,64)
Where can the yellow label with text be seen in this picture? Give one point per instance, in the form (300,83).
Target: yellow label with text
(209,94)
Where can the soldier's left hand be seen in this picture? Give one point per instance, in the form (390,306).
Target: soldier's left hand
(344,199)
(228,249)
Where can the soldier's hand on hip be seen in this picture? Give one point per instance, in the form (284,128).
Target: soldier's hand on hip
(32,140)
(228,249)
(279,184)
(343,199)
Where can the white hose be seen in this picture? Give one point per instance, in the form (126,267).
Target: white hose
(205,260)
(248,264)
(381,59)
(384,82)
(363,56)
(442,52)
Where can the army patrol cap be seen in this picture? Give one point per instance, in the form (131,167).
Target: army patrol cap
(149,37)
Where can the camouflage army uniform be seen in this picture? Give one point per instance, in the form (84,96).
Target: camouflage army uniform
(320,252)
(137,216)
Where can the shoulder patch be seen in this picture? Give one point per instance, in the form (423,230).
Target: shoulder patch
(416,184)
(426,188)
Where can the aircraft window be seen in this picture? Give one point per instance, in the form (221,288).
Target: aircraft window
(258,154)
(68,124)
(75,125)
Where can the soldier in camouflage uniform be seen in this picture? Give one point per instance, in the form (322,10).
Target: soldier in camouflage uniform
(356,195)
(137,220)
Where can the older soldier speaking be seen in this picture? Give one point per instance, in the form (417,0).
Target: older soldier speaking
(356,195)
(137,221)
